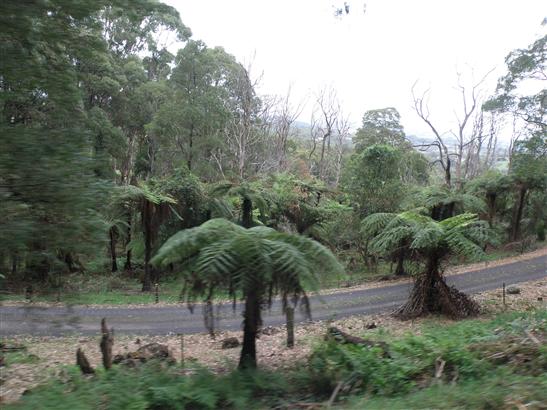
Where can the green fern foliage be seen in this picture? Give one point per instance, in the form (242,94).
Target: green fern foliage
(462,234)
(221,255)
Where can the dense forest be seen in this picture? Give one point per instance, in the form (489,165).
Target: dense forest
(128,147)
(111,143)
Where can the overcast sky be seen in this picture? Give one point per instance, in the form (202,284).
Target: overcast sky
(371,58)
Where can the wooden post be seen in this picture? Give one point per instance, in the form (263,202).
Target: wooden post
(106,344)
(290,326)
(157,293)
(504,295)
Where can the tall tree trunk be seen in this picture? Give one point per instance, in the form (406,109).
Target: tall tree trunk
(247,213)
(147,221)
(127,266)
(491,202)
(447,174)
(14,263)
(517,213)
(251,324)
(112,233)
(190,147)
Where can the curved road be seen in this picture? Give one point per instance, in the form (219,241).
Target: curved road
(58,321)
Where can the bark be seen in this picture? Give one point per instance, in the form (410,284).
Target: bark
(339,336)
(517,213)
(251,325)
(431,294)
(147,221)
(14,264)
(491,203)
(190,147)
(112,234)
(107,341)
(128,266)
(400,269)
(83,363)
(247,213)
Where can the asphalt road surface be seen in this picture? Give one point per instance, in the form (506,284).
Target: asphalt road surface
(59,321)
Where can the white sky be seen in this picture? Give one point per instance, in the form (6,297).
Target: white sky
(373,58)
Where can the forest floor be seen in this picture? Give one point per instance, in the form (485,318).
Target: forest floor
(44,357)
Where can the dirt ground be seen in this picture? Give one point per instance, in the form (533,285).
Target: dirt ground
(51,353)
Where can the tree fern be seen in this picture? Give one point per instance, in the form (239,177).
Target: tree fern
(256,264)
(429,242)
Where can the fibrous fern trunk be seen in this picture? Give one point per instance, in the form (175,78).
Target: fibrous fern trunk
(147,222)
(113,255)
(400,269)
(251,325)
(247,213)
(431,294)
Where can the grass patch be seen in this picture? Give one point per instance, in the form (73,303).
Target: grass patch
(120,289)
(19,357)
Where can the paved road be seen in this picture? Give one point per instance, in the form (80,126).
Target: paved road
(59,321)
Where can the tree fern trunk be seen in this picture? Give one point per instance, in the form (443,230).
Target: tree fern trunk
(491,201)
(400,269)
(431,294)
(251,324)
(517,214)
(113,255)
(247,213)
(146,281)
(127,265)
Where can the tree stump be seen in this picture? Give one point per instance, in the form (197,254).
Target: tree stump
(106,344)
(83,363)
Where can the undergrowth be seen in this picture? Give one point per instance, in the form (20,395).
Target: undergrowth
(475,364)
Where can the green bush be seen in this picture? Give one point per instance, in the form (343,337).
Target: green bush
(413,359)
(153,386)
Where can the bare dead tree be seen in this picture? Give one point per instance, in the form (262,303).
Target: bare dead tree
(466,142)
(342,127)
(422,109)
(323,122)
(470,98)
(285,117)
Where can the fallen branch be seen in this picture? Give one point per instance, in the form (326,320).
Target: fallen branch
(342,337)
(334,394)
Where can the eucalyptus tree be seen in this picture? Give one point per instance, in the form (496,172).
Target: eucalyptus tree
(528,173)
(524,65)
(373,179)
(46,165)
(253,264)
(430,243)
(193,120)
(381,126)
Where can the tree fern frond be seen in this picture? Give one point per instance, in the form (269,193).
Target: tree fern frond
(374,223)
